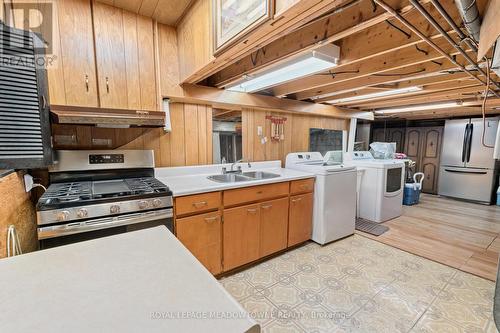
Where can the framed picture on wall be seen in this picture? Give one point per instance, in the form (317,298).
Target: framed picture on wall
(232,19)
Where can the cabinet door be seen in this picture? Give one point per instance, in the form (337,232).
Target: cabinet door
(201,234)
(77,54)
(241,234)
(431,151)
(300,220)
(147,68)
(110,56)
(273,226)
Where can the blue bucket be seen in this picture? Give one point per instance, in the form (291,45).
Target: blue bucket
(411,194)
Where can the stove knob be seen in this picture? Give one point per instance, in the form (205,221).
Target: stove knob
(143,204)
(156,202)
(114,209)
(62,216)
(82,212)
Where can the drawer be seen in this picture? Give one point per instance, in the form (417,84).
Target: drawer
(302,186)
(197,203)
(255,193)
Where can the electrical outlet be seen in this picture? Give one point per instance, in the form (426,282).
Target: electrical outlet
(259,130)
(28,182)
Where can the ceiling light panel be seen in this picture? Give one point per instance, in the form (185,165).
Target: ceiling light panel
(375,95)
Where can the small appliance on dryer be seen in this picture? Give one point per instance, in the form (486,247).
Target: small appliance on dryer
(381,190)
(334,212)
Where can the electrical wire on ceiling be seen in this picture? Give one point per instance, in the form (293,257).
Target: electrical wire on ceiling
(485,99)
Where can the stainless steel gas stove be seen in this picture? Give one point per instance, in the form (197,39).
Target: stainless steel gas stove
(99,193)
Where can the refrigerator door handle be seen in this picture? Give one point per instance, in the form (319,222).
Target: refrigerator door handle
(469,172)
(469,141)
(464,143)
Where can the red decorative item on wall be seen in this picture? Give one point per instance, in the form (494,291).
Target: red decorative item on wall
(277,127)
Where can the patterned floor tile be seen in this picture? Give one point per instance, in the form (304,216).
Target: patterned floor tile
(360,285)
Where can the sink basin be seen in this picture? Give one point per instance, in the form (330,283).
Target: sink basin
(242,177)
(260,175)
(229,178)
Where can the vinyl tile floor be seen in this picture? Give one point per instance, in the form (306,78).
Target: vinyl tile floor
(360,285)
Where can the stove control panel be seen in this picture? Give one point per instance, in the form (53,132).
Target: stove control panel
(106,158)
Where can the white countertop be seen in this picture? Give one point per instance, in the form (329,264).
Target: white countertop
(192,180)
(142,281)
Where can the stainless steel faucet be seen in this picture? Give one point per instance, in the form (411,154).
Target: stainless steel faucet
(238,170)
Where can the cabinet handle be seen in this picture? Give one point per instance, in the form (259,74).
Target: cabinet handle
(304,186)
(296,200)
(200,204)
(107,84)
(252,210)
(266,206)
(87,82)
(211,219)
(259,192)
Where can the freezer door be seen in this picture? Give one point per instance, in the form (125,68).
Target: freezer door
(454,143)
(466,183)
(479,156)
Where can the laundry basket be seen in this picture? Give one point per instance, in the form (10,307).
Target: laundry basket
(411,194)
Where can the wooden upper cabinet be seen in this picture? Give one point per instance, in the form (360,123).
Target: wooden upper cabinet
(147,68)
(110,56)
(76,55)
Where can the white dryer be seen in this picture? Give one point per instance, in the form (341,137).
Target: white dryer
(334,212)
(380,196)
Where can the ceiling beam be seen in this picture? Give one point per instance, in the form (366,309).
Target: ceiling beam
(357,40)
(224,99)
(383,63)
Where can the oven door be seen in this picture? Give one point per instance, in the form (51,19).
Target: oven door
(57,235)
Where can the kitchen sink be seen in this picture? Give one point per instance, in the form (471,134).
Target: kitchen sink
(260,175)
(229,178)
(242,177)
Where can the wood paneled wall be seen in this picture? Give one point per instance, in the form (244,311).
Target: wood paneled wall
(296,134)
(189,143)
(17,209)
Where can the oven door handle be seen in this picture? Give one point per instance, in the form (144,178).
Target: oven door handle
(103,223)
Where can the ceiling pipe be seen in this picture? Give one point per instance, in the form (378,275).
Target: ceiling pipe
(436,26)
(394,13)
(454,26)
(470,15)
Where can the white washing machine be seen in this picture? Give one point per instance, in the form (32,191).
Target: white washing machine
(334,212)
(380,196)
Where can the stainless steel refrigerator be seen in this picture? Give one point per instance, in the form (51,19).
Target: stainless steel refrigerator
(468,169)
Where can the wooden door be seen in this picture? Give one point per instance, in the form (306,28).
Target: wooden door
(77,55)
(431,150)
(241,235)
(147,68)
(397,135)
(300,218)
(201,234)
(378,135)
(110,56)
(413,145)
(273,226)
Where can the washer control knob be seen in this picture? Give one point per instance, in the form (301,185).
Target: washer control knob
(156,202)
(62,216)
(115,209)
(82,212)
(143,204)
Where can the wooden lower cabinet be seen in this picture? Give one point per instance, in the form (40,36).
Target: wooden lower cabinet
(201,234)
(300,218)
(241,235)
(273,226)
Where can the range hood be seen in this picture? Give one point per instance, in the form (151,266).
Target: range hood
(102,117)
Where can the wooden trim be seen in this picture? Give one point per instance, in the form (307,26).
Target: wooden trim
(490,28)
(224,99)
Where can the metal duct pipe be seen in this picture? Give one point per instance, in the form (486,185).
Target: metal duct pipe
(452,24)
(436,25)
(470,15)
(427,40)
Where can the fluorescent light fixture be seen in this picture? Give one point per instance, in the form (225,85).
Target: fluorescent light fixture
(373,95)
(319,60)
(434,106)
